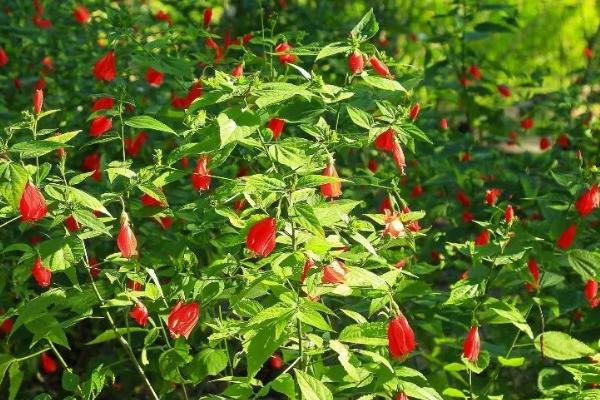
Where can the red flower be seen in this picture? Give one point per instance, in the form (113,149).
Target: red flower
(100,125)
(150,201)
(333,189)
(6,326)
(41,22)
(414,111)
(503,90)
(544,143)
(401,338)
(475,72)
(566,238)
(260,239)
(71,224)
(133,147)
(166,222)
(386,205)
(335,272)
(154,77)
(385,141)
(444,124)
(393,226)
(588,53)
(463,199)
(276,126)
(398,156)
(356,63)
(3,57)
(207,16)
(92,163)
(412,226)
(491,196)
(588,200)
(401,396)
(417,191)
(283,51)
(48,363)
(41,274)
(139,314)
(483,238)
(467,217)
(472,345)
(164,16)
(246,38)
(94,268)
(103,103)
(379,67)
(238,70)
(134,285)
(106,68)
(40,84)
(276,361)
(182,319)
(372,165)
(465,157)
(563,141)
(308,265)
(126,241)
(527,123)
(509,214)
(591,293)
(32,205)
(534,271)
(194,92)
(201,177)
(81,14)
(38,101)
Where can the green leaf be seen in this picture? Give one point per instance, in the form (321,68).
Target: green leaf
(333,49)
(561,346)
(305,216)
(366,28)
(230,131)
(313,318)
(110,334)
(35,149)
(383,83)
(170,361)
(18,179)
(511,362)
(312,388)
(370,333)
(69,381)
(208,362)
(85,200)
(63,138)
(360,117)
(60,254)
(147,122)
(285,384)
(264,343)
(16,378)
(585,263)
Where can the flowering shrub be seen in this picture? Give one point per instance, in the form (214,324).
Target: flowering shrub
(242,202)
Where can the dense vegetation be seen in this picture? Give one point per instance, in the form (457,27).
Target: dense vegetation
(301,199)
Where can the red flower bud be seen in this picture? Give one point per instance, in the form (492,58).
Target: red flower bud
(527,123)
(414,112)
(534,271)
(544,143)
(92,163)
(472,345)
(379,67)
(467,217)
(444,124)
(504,90)
(133,147)
(38,101)
(334,189)
(475,72)
(182,319)
(563,141)
(150,201)
(207,17)
(276,126)
(201,177)
(588,53)
(417,191)
(566,238)
(335,272)
(41,274)
(6,326)
(81,14)
(71,224)
(386,205)
(588,201)
(103,103)
(398,156)
(401,396)
(94,268)
(238,70)
(162,15)
(32,205)
(308,265)
(139,314)
(48,363)
(385,141)
(283,50)
(509,214)
(276,361)
(463,199)
(401,338)
(100,125)
(3,57)
(483,238)
(372,165)
(356,63)
(491,196)
(261,237)
(591,293)
(126,241)
(154,77)
(106,67)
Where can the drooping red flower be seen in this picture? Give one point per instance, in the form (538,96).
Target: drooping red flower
(283,50)
(103,103)
(207,17)
(162,15)
(92,163)
(504,90)
(385,141)
(379,67)
(32,205)
(211,44)
(193,93)
(444,124)
(38,101)
(3,57)
(335,272)
(276,126)
(463,199)
(48,363)
(81,14)
(333,189)
(308,265)
(139,314)
(567,237)
(475,72)
(133,146)
(483,238)
(182,319)
(154,77)
(591,293)
(472,345)
(527,123)
(201,177)
(386,204)
(71,224)
(106,67)
(356,62)
(100,125)
(491,196)
(588,201)
(414,112)
(126,241)
(393,225)
(509,214)
(260,239)
(401,338)
(276,361)
(41,274)
(544,143)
